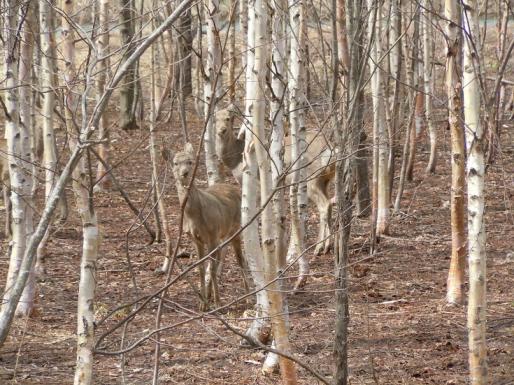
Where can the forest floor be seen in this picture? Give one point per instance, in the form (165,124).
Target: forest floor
(401,330)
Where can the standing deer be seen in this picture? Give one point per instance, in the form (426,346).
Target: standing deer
(320,171)
(211,215)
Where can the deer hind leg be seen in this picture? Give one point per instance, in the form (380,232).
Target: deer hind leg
(317,190)
(241,261)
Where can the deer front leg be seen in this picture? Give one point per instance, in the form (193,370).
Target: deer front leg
(204,301)
(212,285)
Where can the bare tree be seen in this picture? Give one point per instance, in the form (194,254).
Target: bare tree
(455,282)
(128,87)
(475,172)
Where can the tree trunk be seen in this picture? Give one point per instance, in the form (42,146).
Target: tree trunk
(27,140)
(128,87)
(18,148)
(102,46)
(455,283)
(475,180)
(212,90)
(429,82)
(380,136)
(278,76)
(416,81)
(268,219)
(46,19)
(260,327)
(297,193)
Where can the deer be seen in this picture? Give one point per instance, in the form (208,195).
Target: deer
(320,169)
(211,215)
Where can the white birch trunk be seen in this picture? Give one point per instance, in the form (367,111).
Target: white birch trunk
(297,193)
(259,328)
(380,136)
(102,46)
(428,68)
(278,76)
(17,171)
(268,218)
(475,172)
(27,156)
(90,229)
(212,89)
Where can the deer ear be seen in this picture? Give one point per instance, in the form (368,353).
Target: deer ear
(189,148)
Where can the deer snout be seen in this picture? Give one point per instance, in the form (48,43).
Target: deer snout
(184,174)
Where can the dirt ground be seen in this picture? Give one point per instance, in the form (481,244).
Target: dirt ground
(401,331)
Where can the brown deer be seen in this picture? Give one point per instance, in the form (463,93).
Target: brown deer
(320,168)
(211,215)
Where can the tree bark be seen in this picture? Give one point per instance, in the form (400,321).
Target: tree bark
(455,282)
(475,172)
(212,90)
(102,45)
(128,87)
(268,219)
(429,82)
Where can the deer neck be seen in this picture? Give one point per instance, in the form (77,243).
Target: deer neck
(192,197)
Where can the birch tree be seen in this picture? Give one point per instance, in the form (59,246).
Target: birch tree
(455,281)
(27,22)
(268,217)
(47,76)
(85,207)
(428,81)
(259,329)
(380,138)
(475,172)
(296,86)
(102,47)
(18,149)
(212,89)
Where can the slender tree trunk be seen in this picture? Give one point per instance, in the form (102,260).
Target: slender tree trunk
(85,207)
(232,64)
(18,146)
(199,75)
(417,80)
(429,82)
(396,107)
(27,139)
(102,46)
(269,219)
(475,180)
(260,327)
(46,20)
(278,76)
(380,136)
(455,283)
(159,193)
(212,89)
(297,194)
(128,87)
